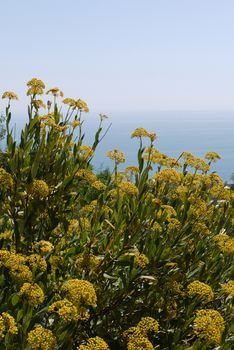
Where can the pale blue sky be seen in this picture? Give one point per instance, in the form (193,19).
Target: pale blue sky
(122,55)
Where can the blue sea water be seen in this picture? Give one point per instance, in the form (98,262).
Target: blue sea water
(196,132)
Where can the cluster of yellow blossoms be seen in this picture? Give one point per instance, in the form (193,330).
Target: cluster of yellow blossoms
(66,310)
(80,291)
(39,189)
(10,95)
(116,155)
(209,325)
(7,325)
(141,132)
(228,288)
(33,293)
(137,337)
(140,260)
(77,104)
(55,91)
(41,338)
(128,188)
(15,264)
(95,343)
(201,291)
(6,180)
(35,87)
(225,243)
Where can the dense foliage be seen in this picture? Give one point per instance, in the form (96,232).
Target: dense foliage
(126,260)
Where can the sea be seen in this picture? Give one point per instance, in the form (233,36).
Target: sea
(196,132)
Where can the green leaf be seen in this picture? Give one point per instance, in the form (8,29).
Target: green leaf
(15,299)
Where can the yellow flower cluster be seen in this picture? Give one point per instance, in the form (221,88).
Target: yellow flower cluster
(80,291)
(88,208)
(33,293)
(168,176)
(39,189)
(228,288)
(173,225)
(141,260)
(7,325)
(212,156)
(209,325)
(141,132)
(79,104)
(41,338)
(86,261)
(95,343)
(10,95)
(225,243)
(200,290)
(197,163)
(45,247)
(86,151)
(75,123)
(15,264)
(55,91)
(66,310)
(6,180)
(35,87)
(132,169)
(116,155)
(35,261)
(38,104)
(7,235)
(128,188)
(137,336)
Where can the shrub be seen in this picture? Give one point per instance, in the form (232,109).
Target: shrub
(123,260)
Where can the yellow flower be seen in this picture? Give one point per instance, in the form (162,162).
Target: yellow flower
(200,290)
(75,123)
(10,95)
(80,291)
(45,247)
(86,151)
(39,189)
(141,260)
(66,310)
(141,132)
(6,180)
(228,288)
(139,343)
(21,274)
(168,175)
(7,325)
(55,91)
(33,293)
(212,156)
(116,155)
(79,104)
(7,235)
(128,187)
(209,325)
(99,185)
(148,324)
(36,87)
(225,243)
(87,261)
(41,338)
(38,104)
(35,261)
(95,343)
(133,169)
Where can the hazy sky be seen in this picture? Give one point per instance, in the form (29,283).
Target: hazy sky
(122,55)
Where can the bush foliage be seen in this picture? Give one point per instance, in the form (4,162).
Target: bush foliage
(124,260)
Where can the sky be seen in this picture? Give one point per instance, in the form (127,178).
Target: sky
(122,55)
